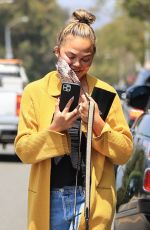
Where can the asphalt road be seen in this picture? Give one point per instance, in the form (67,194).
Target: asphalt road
(13,195)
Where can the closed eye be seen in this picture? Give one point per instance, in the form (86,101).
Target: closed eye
(86,59)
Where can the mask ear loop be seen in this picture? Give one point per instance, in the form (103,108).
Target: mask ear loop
(88,167)
(76,184)
(90,113)
(88,162)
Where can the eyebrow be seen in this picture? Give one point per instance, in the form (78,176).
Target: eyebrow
(71,53)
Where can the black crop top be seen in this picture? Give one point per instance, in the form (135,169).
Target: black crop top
(64,168)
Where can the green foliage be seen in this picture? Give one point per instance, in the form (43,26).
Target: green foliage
(33,41)
(120,46)
(132,178)
(138,8)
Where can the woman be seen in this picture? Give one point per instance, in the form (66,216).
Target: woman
(45,139)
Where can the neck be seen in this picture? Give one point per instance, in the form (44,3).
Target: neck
(84,84)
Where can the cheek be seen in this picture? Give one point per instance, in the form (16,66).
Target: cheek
(84,71)
(85,68)
(64,56)
(87,65)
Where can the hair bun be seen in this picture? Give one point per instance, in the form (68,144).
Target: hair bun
(83,16)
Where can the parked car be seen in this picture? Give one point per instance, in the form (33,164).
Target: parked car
(13,78)
(143,77)
(130,112)
(133,178)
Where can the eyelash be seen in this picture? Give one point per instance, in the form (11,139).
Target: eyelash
(71,58)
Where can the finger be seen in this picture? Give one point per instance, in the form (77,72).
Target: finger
(80,109)
(57,105)
(74,118)
(78,106)
(83,98)
(68,105)
(58,100)
(73,113)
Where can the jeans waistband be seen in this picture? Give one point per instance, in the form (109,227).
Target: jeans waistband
(69,189)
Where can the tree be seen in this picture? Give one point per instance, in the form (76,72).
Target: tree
(141,9)
(34,41)
(138,8)
(119,47)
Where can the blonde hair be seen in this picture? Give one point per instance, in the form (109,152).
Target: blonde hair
(79,25)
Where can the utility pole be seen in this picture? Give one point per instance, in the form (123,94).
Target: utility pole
(147,45)
(8,41)
(8,45)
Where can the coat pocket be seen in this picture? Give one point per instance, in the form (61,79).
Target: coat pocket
(106,202)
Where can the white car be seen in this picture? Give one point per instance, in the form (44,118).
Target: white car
(12,81)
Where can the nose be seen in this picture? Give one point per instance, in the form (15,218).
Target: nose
(76,62)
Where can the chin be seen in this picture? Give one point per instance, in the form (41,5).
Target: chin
(81,75)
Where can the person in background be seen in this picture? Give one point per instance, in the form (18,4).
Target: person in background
(130,79)
(45,139)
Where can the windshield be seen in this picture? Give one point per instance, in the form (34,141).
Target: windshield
(9,70)
(143,77)
(142,127)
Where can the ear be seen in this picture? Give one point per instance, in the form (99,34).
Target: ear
(56,51)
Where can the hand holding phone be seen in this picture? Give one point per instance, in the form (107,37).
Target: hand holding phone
(68,91)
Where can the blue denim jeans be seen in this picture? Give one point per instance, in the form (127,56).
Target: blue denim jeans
(62,207)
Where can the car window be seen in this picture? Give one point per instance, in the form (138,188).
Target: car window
(9,70)
(148,81)
(143,125)
(142,77)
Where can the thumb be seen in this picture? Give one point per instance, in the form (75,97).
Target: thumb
(57,105)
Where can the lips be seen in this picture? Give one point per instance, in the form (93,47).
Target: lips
(77,71)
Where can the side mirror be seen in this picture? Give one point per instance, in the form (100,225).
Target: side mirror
(138,96)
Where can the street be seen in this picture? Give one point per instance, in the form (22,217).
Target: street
(13,195)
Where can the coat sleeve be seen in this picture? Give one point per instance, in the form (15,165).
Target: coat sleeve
(32,145)
(115,141)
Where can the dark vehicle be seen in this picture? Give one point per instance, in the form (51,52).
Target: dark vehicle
(130,112)
(133,178)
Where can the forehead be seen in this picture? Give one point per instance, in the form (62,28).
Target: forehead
(77,44)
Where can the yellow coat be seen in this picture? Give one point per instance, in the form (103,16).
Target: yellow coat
(36,145)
